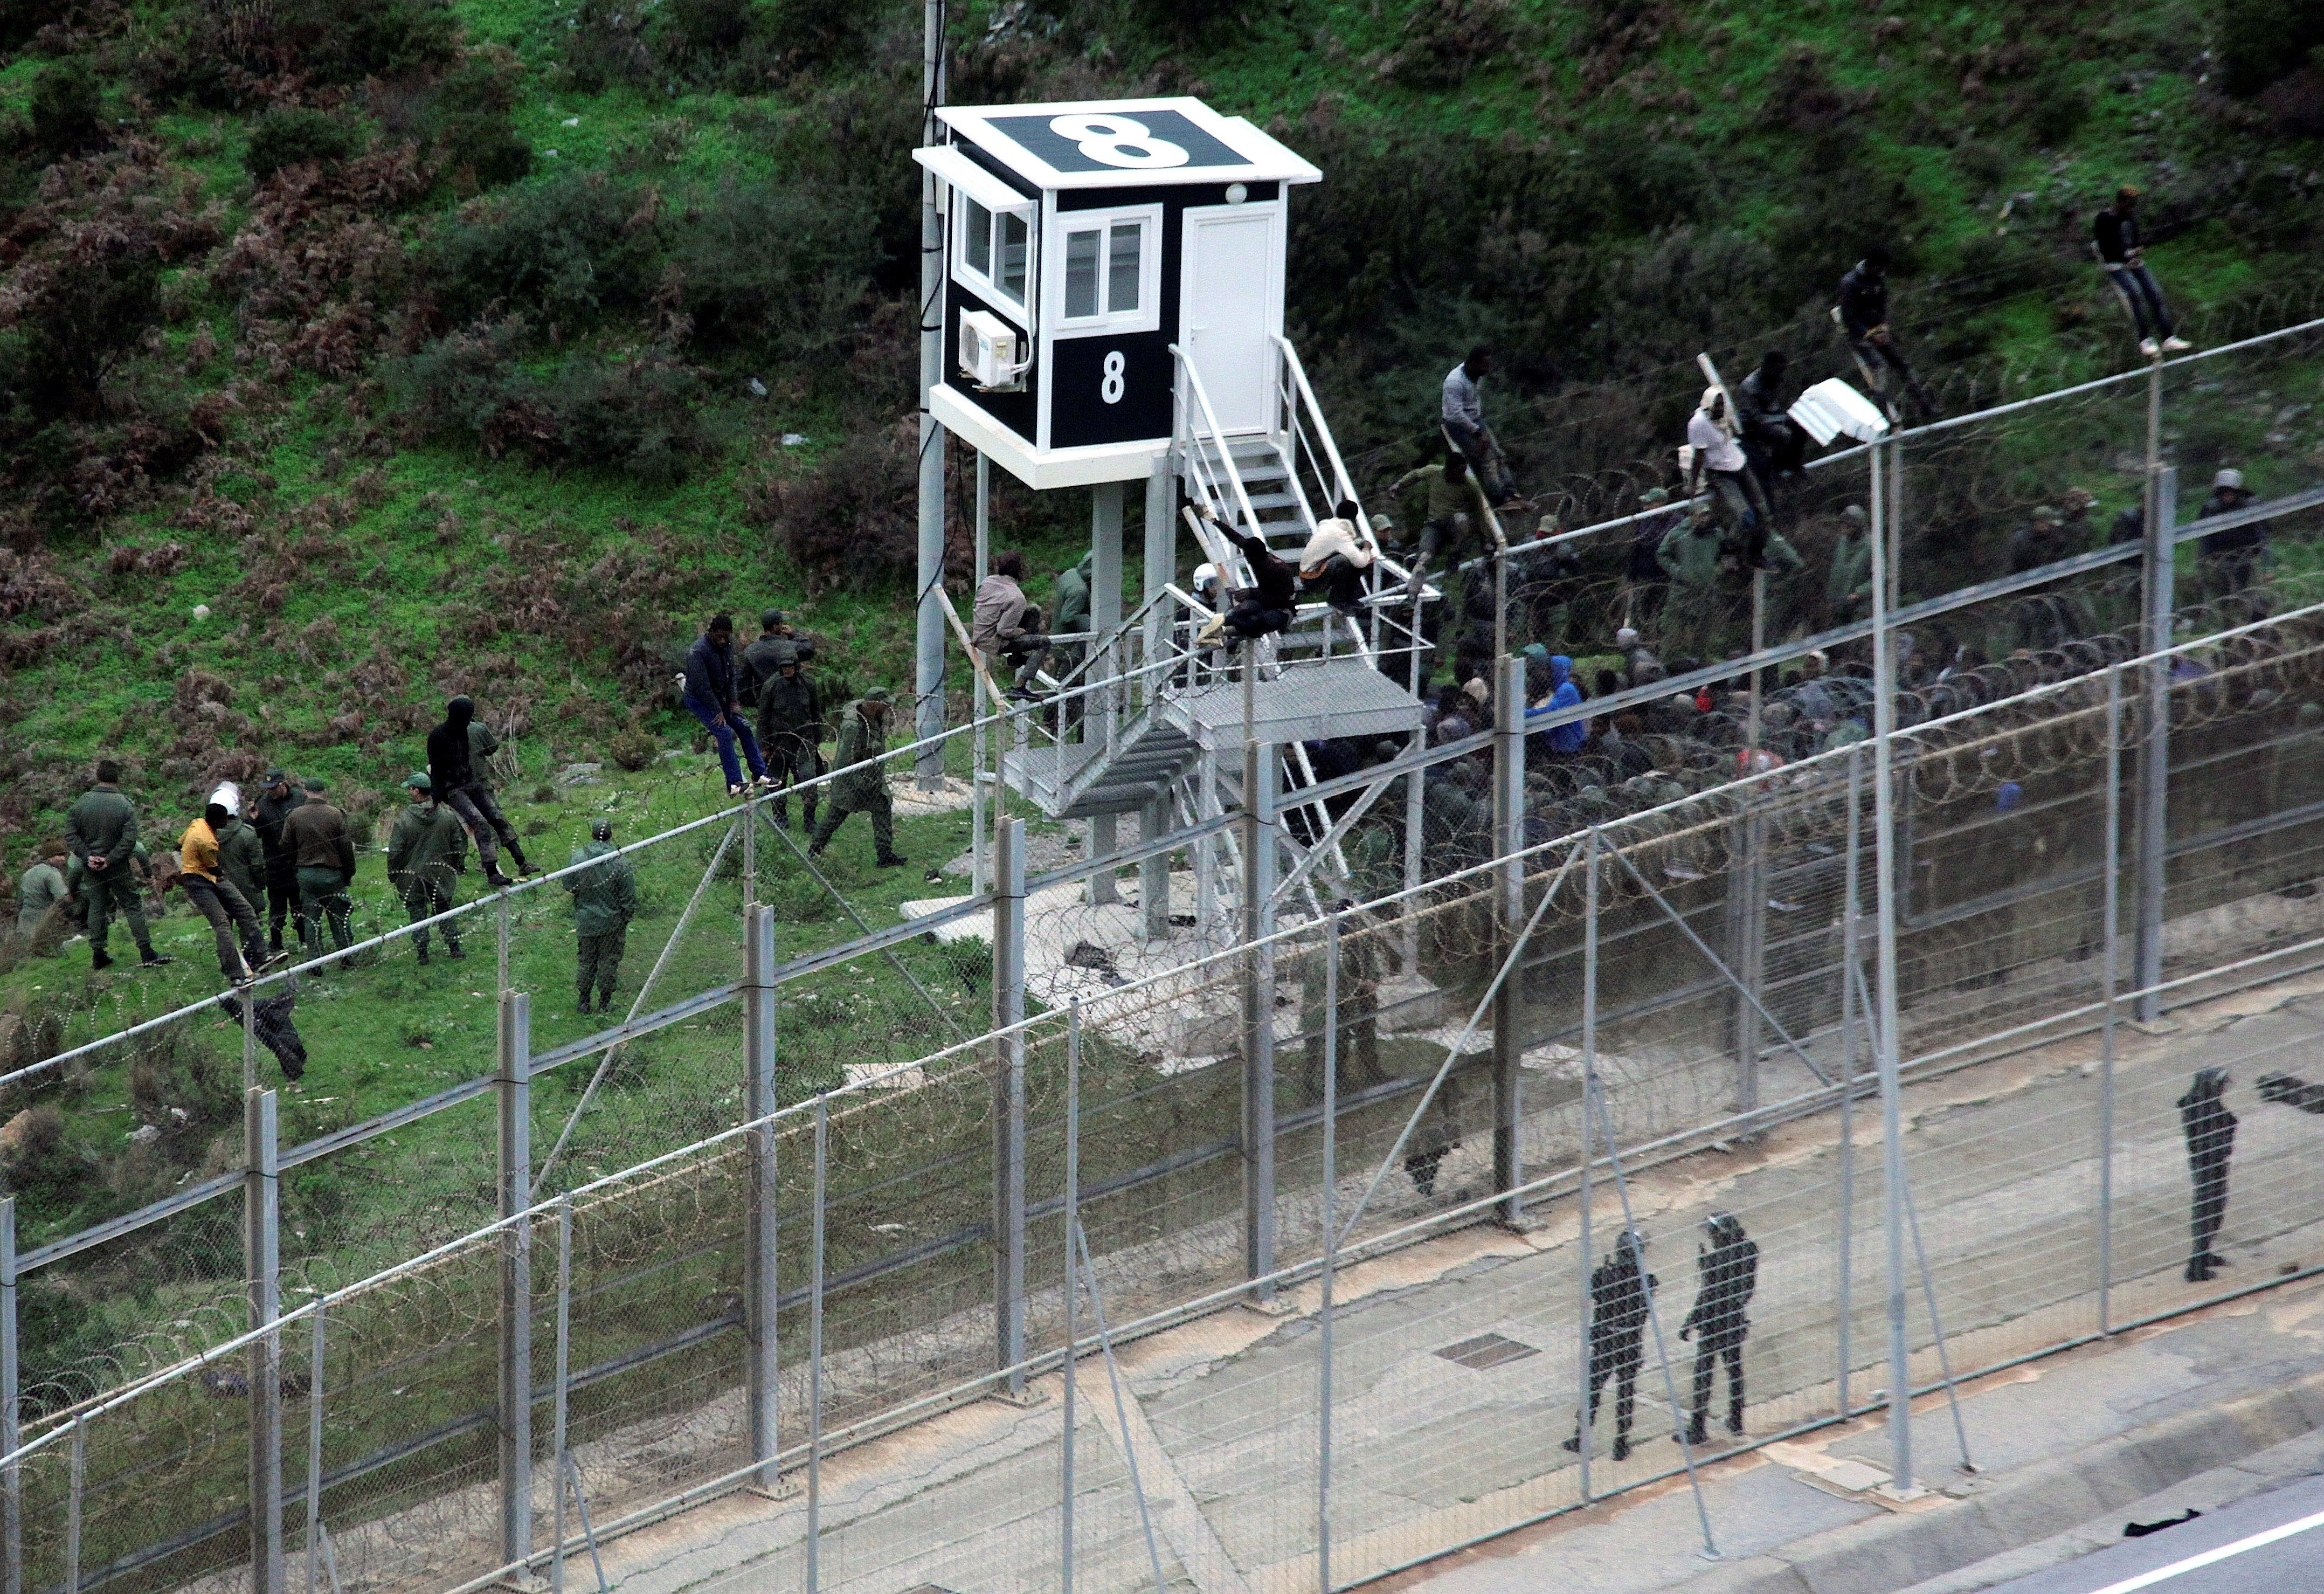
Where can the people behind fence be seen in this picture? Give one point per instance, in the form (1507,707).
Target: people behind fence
(861,784)
(712,692)
(1773,442)
(275,801)
(1336,558)
(2232,557)
(791,727)
(1715,459)
(2211,1131)
(427,849)
(324,853)
(1269,604)
(1621,1294)
(452,776)
(241,938)
(481,745)
(2122,252)
(1454,510)
(604,901)
(41,892)
(1727,1268)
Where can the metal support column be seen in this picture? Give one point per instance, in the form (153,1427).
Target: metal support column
(2110,972)
(512,1085)
(1747,939)
(1884,1017)
(1009,1101)
(2158,571)
(759,1280)
(12,1480)
(980,862)
(262,1257)
(1259,769)
(1851,957)
(1099,707)
(1154,871)
(1508,1003)
(1161,555)
(929,668)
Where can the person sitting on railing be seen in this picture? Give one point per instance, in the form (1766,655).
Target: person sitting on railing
(1716,459)
(1008,629)
(1336,558)
(1455,508)
(1465,428)
(1864,320)
(2233,554)
(1266,606)
(2123,252)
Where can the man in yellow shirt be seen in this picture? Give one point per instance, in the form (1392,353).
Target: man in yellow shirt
(215,897)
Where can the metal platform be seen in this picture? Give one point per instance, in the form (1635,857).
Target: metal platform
(1310,702)
(1060,778)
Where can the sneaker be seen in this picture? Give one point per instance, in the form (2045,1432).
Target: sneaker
(2175,345)
(155,959)
(274,960)
(768,783)
(2149,347)
(736,789)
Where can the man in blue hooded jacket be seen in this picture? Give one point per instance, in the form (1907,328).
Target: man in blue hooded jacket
(1566,739)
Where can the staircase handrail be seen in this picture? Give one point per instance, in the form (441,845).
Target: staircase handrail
(1219,437)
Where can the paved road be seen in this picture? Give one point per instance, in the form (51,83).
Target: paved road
(1432,1451)
(2274,1543)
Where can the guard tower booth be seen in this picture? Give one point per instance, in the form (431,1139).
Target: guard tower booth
(1113,311)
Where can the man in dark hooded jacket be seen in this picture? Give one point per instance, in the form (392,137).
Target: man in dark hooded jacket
(1620,1294)
(452,777)
(2211,1131)
(1728,1271)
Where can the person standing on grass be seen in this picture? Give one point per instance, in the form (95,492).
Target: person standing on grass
(42,888)
(242,857)
(791,728)
(604,901)
(452,777)
(481,745)
(860,787)
(2123,252)
(325,854)
(426,850)
(713,696)
(215,897)
(274,806)
(101,833)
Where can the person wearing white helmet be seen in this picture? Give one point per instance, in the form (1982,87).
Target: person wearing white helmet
(215,897)
(2233,554)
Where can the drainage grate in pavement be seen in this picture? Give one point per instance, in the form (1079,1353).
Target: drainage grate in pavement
(1486,1351)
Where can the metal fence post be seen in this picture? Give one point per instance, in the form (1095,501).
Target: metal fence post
(1747,917)
(1154,873)
(12,1482)
(1509,1002)
(1072,1324)
(514,1090)
(563,1393)
(2155,747)
(2110,973)
(1582,1424)
(1330,1253)
(815,1345)
(314,1445)
(1850,956)
(759,1287)
(1100,708)
(1259,778)
(262,1258)
(1009,1101)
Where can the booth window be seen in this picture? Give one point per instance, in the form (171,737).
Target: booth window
(1113,277)
(994,246)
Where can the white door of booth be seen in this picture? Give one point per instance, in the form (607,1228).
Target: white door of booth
(1230,308)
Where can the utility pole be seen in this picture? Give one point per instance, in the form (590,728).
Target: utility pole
(928,672)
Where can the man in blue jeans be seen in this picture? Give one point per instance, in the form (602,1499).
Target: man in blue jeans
(2123,252)
(711,693)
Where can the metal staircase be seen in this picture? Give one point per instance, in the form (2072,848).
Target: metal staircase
(1136,724)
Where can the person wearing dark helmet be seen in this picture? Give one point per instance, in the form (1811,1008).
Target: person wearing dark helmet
(2211,1131)
(1620,1294)
(1727,1268)
(452,777)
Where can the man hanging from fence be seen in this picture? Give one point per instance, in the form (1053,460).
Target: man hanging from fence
(862,788)
(1727,1270)
(1272,600)
(605,899)
(2211,1131)
(1620,1292)
(426,850)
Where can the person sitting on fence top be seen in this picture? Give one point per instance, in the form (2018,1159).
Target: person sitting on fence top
(2233,554)
(1453,512)
(1464,424)
(1003,625)
(1864,318)
(1269,603)
(2123,252)
(1774,446)
(1336,557)
(713,695)
(1718,459)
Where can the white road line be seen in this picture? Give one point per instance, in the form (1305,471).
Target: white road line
(2147,1579)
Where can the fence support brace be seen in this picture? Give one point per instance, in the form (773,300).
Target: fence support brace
(11,1481)
(515,1403)
(262,1256)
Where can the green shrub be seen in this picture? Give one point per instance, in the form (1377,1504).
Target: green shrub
(565,250)
(777,269)
(67,110)
(606,44)
(469,119)
(2260,40)
(297,138)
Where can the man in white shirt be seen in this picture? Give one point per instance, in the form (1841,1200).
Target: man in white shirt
(1719,458)
(1336,557)
(1465,427)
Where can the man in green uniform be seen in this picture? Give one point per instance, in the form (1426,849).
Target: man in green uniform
(101,832)
(273,806)
(242,858)
(1697,611)
(1848,590)
(42,888)
(316,833)
(604,901)
(426,849)
(862,734)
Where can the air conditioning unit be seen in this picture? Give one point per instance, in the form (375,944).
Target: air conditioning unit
(990,353)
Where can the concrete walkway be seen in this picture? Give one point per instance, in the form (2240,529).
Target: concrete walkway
(1456,1372)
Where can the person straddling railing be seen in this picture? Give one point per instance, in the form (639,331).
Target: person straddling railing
(1004,627)
(452,776)
(2123,252)
(216,898)
(1716,458)
(1864,320)
(1454,512)
(714,696)
(1336,557)
(1465,428)
(1266,605)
